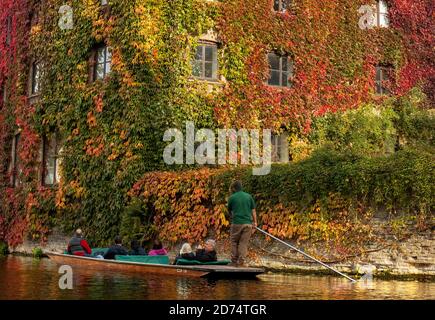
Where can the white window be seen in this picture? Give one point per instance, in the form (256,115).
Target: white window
(103,62)
(204,65)
(50,173)
(281,5)
(280,152)
(36,78)
(382,14)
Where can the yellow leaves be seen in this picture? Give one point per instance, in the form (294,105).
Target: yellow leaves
(123,135)
(91,120)
(128,80)
(78,190)
(36,29)
(98,102)
(113,156)
(94,147)
(129,154)
(138,146)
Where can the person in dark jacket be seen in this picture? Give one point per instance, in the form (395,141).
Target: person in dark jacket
(116,249)
(208,253)
(136,249)
(78,246)
(185,253)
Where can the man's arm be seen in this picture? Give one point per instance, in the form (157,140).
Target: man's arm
(254,211)
(85,246)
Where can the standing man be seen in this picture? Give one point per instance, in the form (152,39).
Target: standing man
(241,206)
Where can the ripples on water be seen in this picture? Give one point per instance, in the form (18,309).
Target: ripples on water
(27,278)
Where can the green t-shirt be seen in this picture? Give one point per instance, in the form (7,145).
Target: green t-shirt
(240,206)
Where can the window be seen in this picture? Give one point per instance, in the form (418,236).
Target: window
(50,174)
(281,5)
(382,76)
(205,62)
(281,70)
(36,78)
(382,14)
(280,148)
(104,2)
(16,170)
(102,63)
(3,95)
(8,30)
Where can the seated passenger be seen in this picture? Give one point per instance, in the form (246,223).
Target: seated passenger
(157,249)
(136,249)
(185,253)
(116,249)
(208,253)
(78,246)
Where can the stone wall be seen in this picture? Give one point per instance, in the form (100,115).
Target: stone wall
(413,257)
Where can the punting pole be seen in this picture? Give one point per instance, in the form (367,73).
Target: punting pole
(308,256)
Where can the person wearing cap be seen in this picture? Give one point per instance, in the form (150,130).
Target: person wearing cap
(208,253)
(241,206)
(78,246)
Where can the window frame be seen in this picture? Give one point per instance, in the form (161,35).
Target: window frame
(290,70)
(382,69)
(280,6)
(8,39)
(15,170)
(95,62)
(280,148)
(214,63)
(53,138)
(4,94)
(379,14)
(35,78)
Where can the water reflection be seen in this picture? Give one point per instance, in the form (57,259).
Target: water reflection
(26,278)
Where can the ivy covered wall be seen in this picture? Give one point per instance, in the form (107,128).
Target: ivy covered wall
(112,129)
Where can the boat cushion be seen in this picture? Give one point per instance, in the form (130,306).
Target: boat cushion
(196,262)
(144,259)
(101,251)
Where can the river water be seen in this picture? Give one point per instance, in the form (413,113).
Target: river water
(28,278)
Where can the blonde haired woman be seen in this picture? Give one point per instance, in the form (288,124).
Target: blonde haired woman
(186,253)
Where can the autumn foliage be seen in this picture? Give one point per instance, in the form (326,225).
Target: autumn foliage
(112,130)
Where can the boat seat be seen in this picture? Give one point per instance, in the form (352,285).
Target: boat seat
(101,251)
(186,262)
(144,259)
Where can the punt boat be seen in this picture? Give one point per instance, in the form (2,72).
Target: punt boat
(124,265)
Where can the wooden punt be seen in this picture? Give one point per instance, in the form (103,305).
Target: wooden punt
(198,271)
